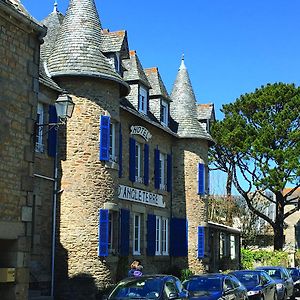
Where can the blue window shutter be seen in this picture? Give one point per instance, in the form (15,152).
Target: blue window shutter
(156,168)
(169,173)
(132,159)
(201,179)
(103,232)
(120,152)
(104,137)
(124,239)
(201,242)
(178,237)
(52,133)
(151,231)
(146,164)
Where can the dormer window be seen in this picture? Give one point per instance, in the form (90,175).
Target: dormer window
(143,100)
(164,113)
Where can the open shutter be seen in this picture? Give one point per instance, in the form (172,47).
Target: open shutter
(201,242)
(146,164)
(132,159)
(124,239)
(178,237)
(201,179)
(52,133)
(103,232)
(151,234)
(120,152)
(156,169)
(104,137)
(169,173)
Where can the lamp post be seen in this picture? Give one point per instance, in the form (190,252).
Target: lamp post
(64,107)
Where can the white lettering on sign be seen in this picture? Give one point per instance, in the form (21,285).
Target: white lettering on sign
(142,131)
(132,194)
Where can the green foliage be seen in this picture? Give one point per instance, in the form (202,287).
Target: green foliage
(253,258)
(258,146)
(297,258)
(185,274)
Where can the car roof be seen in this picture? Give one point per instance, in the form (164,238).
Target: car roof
(246,271)
(270,267)
(160,276)
(217,275)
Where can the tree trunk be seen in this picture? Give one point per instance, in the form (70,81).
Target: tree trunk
(278,237)
(279,221)
(229,183)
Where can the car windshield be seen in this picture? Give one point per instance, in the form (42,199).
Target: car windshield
(247,278)
(273,273)
(203,284)
(142,288)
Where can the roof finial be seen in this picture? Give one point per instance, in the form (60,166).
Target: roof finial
(55,7)
(182,65)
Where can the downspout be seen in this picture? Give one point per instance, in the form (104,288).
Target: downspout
(55,193)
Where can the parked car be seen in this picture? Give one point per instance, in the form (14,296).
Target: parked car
(215,286)
(158,287)
(283,279)
(295,273)
(258,284)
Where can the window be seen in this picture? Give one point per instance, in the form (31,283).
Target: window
(223,248)
(162,236)
(164,113)
(112,231)
(112,144)
(39,145)
(137,234)
(138,162)
(162,171)
(143,100)
(232,247)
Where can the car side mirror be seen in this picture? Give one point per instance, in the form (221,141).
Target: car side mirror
(173,296)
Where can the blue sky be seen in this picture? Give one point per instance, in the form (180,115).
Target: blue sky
(231,46)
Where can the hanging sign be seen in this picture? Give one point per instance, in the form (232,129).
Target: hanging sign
(136,195)
(142,131)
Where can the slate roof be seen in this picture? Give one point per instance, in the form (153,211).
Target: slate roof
(115,41)
(158,87)
(77,49)
(46,80)
(183,107)
(53,23)
(206,111)
(125,104)
(134,70)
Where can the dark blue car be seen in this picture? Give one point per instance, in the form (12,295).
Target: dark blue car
(283,280)
(258,283)
(295,273)
(214,287)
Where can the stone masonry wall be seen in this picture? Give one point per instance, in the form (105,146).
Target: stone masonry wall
(188,153)
(87,183)
(19,60)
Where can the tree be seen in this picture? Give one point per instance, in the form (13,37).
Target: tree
(258,145)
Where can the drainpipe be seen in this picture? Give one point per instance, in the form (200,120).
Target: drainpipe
(55,193)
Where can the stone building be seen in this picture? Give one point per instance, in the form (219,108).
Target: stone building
(20,39)
(125,178)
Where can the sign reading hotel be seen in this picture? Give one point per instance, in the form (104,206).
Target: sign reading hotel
(142,131)
(132,194)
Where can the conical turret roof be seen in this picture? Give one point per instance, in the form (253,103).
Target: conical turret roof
(184,108)
(53,23)
(77,50)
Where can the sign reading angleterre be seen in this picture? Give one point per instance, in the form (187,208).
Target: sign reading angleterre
(136,195)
